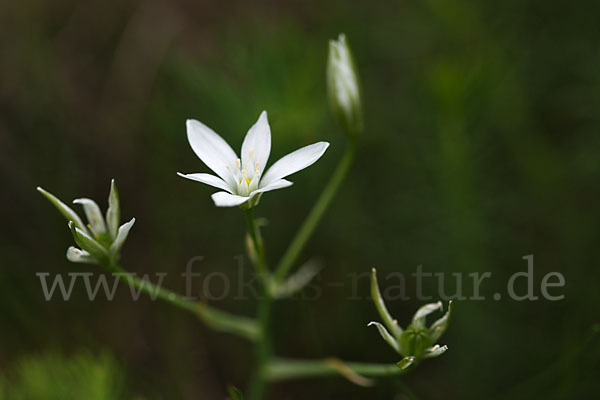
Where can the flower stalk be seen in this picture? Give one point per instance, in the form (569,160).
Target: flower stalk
(316,213)
(286,369)
(215,319)
(263,347)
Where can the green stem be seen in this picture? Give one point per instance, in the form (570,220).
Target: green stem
(258,384)
(311,222)
(285,369)
(259,381)
(213,318)
(257,244)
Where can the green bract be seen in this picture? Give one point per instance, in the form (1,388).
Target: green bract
(416,342)
(99,241)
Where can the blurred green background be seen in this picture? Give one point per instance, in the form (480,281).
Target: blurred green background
(481,147)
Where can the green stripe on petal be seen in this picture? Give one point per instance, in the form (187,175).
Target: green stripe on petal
(439,327)
(121,236)
(386,336)
(113,214)
(87,243)
(391,323)
(65,210)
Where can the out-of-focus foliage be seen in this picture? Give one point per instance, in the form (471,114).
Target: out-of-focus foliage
(56,377)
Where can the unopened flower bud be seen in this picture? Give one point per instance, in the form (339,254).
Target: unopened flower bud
(343,86)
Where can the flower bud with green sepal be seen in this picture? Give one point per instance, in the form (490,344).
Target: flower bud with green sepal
(417,341)
(101,240)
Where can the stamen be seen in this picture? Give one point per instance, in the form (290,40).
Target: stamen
(251,153)
(238,163)
(245,176)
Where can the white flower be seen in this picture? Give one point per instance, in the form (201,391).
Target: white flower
(243,179)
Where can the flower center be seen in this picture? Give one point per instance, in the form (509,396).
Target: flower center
(246,175)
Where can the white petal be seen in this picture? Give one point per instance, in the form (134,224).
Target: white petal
(435,351)
(93,214)
(280,184)
(79,256)
(258,142)
(224,199)
(207,179)
(211,148)
(294,162)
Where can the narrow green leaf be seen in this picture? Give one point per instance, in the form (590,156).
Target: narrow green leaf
(65,210)
(113,214)
(389,322)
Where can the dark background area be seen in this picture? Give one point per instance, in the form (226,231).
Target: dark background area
(481,146)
